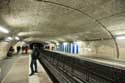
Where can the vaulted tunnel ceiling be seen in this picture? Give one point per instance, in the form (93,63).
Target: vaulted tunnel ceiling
(69,19)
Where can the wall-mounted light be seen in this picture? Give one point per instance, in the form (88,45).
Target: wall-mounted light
(78,42)
(17,38)
(120,37)
(65,43)
(57,43)
(4,30)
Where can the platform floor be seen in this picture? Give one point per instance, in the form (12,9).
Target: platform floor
(41,76)
(19,72)
(103,61)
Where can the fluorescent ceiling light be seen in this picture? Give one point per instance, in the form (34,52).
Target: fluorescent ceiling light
(8,39)
(120,37)
(29,33)
(17,38)
(4,30)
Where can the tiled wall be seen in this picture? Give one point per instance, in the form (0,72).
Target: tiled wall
(4,46)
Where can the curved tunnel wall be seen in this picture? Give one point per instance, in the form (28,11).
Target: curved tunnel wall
(106,48)
(121,45)
(102,48)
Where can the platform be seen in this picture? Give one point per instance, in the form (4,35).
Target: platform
(102,61)
(19,73)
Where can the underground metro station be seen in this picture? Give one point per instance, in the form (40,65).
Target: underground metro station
(78,41)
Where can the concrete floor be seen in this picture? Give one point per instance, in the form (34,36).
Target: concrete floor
(5,65)
(20,70)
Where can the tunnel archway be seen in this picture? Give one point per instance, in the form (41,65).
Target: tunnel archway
(38,44)
(103,26)
(84,20)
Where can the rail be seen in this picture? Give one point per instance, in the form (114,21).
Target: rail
(67,69)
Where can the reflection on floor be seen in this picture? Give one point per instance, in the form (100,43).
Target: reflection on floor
(19,72)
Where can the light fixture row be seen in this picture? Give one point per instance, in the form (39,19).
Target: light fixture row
(11,38)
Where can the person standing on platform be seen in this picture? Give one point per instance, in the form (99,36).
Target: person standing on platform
(18,49)
(26,49)
(34,56)
(23,48)
(10,52)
